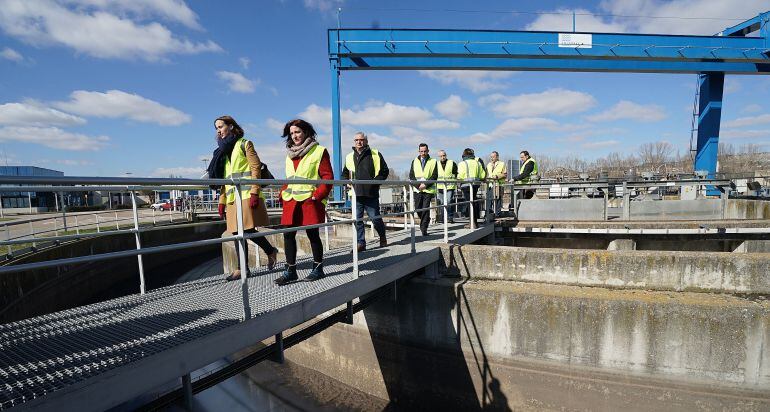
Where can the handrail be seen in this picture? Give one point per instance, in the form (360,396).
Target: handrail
(133,185)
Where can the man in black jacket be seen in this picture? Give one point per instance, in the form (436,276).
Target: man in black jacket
(365,163)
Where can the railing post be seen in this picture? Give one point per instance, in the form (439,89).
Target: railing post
(77,225)
(8,237)
(326,232)
(187,392)
(411,219)
(445,213)
(406,208)
(488,201)
(243,263)
(1,206)
(32,233)
(278,356)
(626,202)
(153,217)
(353,211)
(56,227)
(63,211)
(606,203)
(142,286)
(97,223)
(472,199)
(117,225)
(515,200)
(29,197)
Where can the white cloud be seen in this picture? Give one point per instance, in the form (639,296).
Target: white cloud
(319,117)
(473,80)
(244,61)
(34,114)
(453,107)
(116,104)
(749,121)
(275,125)
(171,10)
(744,134)
(515,127)
(704,17)
(752,108)
(53,137)
(550,102)
(98,33)
(11,54)
(377,114)
(625,109)
(438,124)
(377,140)
(322,5)
(600,144)
(562,21)
(188,172)
(74,162)
(237,82)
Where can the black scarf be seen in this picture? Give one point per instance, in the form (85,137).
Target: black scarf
(216,167)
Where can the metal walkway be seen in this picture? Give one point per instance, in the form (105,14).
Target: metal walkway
(99,356)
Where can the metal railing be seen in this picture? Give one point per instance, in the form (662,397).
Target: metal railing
(133,185)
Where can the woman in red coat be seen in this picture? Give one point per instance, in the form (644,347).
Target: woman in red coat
(304,204)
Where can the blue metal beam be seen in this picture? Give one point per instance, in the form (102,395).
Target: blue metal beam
(747,27)
(372,49)
(710,112)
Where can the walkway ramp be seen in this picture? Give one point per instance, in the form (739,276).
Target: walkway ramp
(99,356)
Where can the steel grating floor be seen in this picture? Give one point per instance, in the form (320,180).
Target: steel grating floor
(47,353)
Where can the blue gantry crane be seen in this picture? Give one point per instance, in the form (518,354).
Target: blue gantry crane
(731,51)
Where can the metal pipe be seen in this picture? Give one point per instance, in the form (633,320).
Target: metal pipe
(411,221)
(354,215)
(445,212)
(472,198)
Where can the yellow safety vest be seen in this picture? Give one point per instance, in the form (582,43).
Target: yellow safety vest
(521,170)
(470,170)
(446,174)
(350,164)
(420,173)
(498,169)
(236,166)
(306,170)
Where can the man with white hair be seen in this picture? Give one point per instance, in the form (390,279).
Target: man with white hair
(365,163)
(447,170)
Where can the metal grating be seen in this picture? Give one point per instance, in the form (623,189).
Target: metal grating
(43,354)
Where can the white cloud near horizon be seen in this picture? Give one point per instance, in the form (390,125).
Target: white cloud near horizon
(237,82)
(53,137)
(322,5)
(628,110)
(476,81)
(748,121)
(175,11)
(119,104)
(453,107)
(98,31)
(35,114)
(377,114)
(11,54)
(704,17)
(558,102)
(244,62)
(183,171)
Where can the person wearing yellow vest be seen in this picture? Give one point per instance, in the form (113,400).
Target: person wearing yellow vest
(447,170)
(241,161)
(527,172)
(365,163)
(303,203)
(496,175)
(470,172)
(423,168)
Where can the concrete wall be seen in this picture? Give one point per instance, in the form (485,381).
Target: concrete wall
(700,209)
(674,271)
(472,345)
(561,209)
(747,209)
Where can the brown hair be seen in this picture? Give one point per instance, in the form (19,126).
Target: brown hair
(468,152)
(525,153)
(306,127)
(228,120)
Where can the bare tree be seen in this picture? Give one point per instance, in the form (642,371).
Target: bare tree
(654,155)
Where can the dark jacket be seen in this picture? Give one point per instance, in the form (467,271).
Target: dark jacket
(433,176)
(365,171)
(528,168)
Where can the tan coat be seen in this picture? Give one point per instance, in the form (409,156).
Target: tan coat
(252,218)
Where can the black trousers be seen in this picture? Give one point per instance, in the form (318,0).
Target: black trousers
(422,201)
(477,203)
(290,246)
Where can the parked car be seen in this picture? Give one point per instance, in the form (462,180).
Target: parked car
(161,205)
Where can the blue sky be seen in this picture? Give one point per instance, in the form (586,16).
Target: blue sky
(109,87)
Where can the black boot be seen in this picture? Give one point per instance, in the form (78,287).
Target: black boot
(289,275)
(316,273)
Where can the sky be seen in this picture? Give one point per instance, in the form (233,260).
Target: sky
(132,87)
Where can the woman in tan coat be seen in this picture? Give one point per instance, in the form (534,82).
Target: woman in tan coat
(241,160)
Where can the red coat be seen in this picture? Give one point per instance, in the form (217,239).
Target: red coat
(309,212)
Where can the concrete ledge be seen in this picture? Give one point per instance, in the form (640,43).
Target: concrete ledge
(561,209)
(700,209)
(674,271)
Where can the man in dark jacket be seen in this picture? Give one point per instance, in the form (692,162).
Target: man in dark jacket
(365,163)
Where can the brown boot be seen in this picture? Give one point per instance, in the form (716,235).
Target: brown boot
(234,276)
(383,241)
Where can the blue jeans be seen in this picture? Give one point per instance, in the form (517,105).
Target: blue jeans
(440,201)
(372,207)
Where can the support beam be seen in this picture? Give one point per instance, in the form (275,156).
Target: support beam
(336,127)
(710,109)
